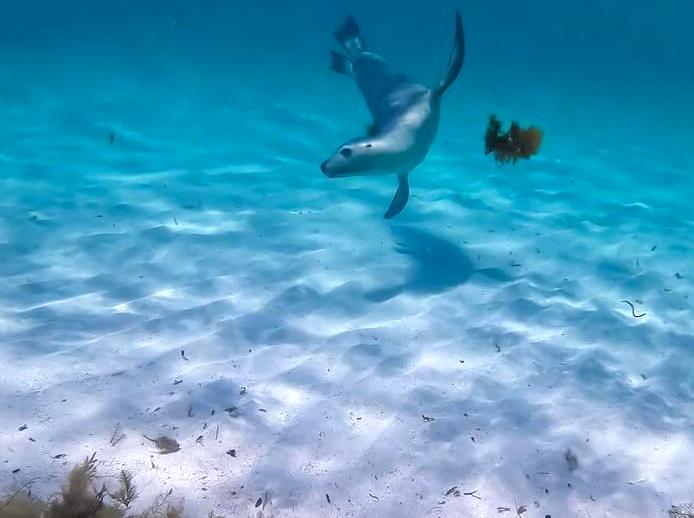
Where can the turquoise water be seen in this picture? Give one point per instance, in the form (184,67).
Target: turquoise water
(160,192)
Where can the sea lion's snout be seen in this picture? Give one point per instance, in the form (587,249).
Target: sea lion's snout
(325,170)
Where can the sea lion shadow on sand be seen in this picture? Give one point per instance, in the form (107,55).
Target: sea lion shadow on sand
(436,264)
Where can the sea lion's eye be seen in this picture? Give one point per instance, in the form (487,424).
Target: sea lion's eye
(346,152)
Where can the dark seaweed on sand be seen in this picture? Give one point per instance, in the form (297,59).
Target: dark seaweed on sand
(83,495)
(513,144)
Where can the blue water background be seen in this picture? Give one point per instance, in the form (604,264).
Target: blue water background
(221,113)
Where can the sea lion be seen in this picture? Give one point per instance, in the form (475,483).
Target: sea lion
(405,114)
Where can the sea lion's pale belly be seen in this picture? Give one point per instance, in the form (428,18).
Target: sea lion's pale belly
(413,132)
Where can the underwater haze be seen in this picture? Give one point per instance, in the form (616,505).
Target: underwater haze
(518,341)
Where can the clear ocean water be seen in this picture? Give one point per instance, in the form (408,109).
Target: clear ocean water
(173,262)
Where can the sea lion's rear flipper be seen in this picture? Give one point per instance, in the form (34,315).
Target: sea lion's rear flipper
(455,63)
(349,37)
(387,93)
(340,63)
(400,198)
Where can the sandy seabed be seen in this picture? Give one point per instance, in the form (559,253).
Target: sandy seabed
(358,367)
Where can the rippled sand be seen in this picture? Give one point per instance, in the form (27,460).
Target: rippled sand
(201,262)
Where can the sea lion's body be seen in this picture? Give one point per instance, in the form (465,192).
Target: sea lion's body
(405,114)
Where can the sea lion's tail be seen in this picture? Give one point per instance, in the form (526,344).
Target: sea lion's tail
(457,56)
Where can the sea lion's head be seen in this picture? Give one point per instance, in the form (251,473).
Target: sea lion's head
(357,157)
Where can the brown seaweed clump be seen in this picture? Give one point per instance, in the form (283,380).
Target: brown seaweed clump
(513,144)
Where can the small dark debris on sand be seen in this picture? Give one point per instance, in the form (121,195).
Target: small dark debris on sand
(231,453)
(23,427)
(453,491)
(258,502)
(164,444)
(571,460)
(682,511)
(633,310)
(183,355)
(327,497)
(427,418)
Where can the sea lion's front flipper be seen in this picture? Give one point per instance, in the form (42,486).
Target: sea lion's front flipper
(400,198)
